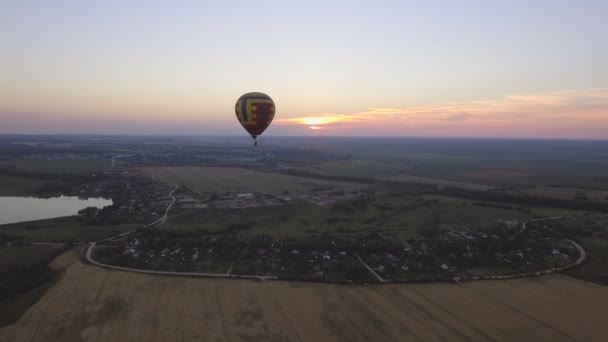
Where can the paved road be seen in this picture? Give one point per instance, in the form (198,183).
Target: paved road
(582,256)
(154,224)
(188,274)
(524,225)
(380,279)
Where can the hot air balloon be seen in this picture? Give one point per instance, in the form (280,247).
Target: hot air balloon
(255,112)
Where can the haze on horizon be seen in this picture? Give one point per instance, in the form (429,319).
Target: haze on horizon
(364,68)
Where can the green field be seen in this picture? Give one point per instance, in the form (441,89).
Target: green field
(509,164)
(19,186)
(595,269)
(217,179)
(596,195)
(363,168)
(395,215)
(62,229)
(60,166)
(441,183)
(475,213)
(549,212)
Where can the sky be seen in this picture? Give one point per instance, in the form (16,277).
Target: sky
(520,69)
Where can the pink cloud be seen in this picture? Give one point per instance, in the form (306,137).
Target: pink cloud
(568,114)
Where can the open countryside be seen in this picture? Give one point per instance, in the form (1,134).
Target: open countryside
(220,242)
(219,179)
(291,171)
(121,306)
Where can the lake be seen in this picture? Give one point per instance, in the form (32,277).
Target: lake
(21,209)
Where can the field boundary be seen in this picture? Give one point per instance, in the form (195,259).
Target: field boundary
(582,257)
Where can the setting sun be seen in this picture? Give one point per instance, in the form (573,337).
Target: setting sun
(317,120)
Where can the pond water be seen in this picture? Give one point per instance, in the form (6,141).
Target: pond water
(21,209)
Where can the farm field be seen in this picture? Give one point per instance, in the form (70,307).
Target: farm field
(596,267)
(568,193)
(63,229)
(441,183)
(209,179)
(357,168)
(402,217)
(526,176)
(291,221)
(19,186)
(60,166)
(121,306)
(500,163)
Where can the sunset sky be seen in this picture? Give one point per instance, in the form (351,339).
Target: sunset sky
(524,69)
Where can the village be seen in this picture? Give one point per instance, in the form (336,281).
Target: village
(188,199)
(141,198)
(470,253)
(136,198)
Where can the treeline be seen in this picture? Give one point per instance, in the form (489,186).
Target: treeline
(476,195)
(313,175)
(409,187)
(59,177)
(529,201)
(22,278)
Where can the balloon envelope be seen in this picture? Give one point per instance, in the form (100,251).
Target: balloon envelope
(255,112)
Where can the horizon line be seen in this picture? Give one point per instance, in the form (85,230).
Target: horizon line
(293,136)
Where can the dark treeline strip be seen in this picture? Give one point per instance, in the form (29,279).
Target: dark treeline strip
(410,187)
(529,201)
(72,178)
(477,195)
(22,278)
(54,184)
(312,175)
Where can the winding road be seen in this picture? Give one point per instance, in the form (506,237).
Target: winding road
(161,221)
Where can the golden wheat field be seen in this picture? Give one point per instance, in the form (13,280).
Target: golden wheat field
(94,304)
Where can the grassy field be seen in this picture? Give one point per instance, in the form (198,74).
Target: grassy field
(568,193)
(119,306)
(441,183)
(395,215)
(458,171)
(500,163)
(19,186)
(526,176)
(358,168)
(60,166)
(293,221)
(596,267)
(62,229)
(550,212)
(209,179)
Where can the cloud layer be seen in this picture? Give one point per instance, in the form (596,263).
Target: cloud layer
(568,114)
